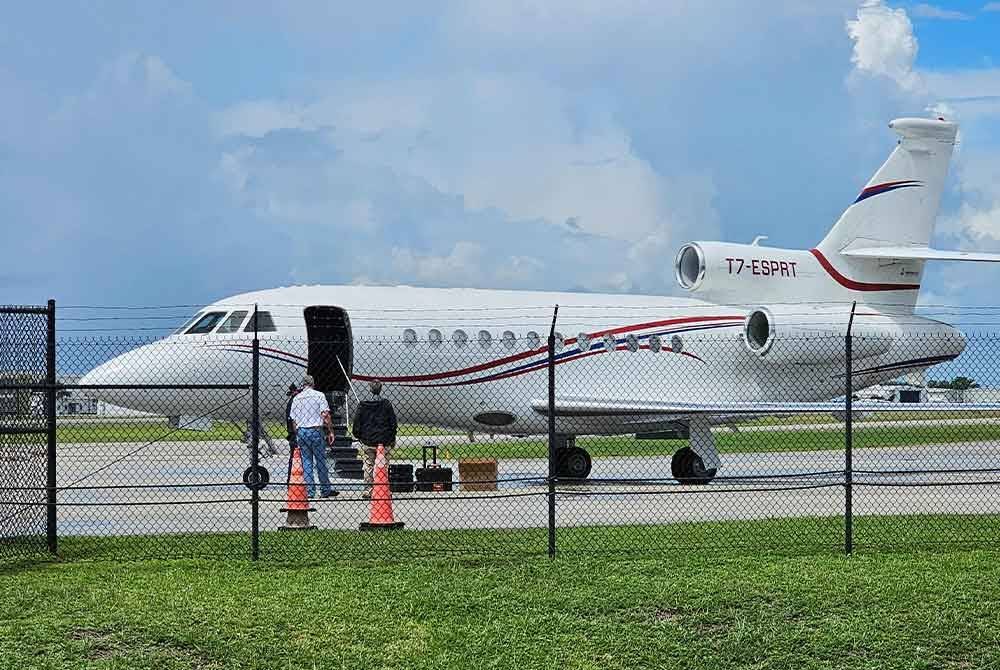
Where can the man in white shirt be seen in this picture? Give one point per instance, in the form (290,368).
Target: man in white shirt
(310,412)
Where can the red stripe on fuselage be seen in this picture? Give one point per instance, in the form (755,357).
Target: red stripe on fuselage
(846,282)
(526,354)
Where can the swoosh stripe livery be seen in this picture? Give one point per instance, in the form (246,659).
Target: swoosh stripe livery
(697,324)
(879,189)
(849,283)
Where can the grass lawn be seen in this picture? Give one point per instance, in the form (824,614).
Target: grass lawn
(140,431)
(706,607)
(746,441)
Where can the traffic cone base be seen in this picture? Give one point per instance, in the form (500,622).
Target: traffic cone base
(380,511)
(297,508)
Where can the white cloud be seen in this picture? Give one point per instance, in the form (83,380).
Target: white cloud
(926,11)
(991,7)
(505,142)
(884,44)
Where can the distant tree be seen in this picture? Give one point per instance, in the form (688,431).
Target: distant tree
(959,383)
(962,383)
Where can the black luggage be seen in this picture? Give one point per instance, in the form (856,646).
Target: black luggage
(432,477)
(401,478)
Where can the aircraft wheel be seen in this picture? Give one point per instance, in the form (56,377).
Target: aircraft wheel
(573,463)
(688,468)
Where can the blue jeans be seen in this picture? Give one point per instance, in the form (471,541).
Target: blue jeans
(312,447)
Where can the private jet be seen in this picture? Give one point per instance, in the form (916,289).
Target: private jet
(762,332)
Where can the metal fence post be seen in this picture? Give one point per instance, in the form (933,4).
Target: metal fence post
(849,437)
(51,529)
(254,439)
(552,433)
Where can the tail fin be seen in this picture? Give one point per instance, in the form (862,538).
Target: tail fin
(896,209)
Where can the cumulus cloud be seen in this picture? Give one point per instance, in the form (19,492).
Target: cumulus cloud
(884,44)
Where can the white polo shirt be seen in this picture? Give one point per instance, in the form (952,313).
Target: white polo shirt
(308,407)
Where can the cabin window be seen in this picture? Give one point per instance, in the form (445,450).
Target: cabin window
(676,344)
(560,341)
(509,339)
(410,337)
(434,337)
(655,344)
(233,322)
(265,324)
(583,342)
(609,342)
(206,323)
(632,342)
(459,338)
(533,340)
(485,339)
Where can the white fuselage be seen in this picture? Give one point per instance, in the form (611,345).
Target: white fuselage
(491,356)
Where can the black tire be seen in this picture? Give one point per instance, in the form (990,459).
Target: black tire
(688,468)
(573,463)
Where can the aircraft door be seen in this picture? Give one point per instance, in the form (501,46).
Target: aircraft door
(330,351)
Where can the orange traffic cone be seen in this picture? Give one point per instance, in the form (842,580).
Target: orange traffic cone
(380,513)
(297,506)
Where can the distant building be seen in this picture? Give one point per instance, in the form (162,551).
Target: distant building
(894,392)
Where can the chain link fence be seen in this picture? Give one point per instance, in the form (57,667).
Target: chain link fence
(607,440)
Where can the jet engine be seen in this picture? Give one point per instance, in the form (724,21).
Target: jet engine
(735,273)
(803,336)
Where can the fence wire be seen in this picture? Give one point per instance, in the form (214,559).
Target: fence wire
(155,439)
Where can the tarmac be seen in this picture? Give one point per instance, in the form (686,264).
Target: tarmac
(178,487)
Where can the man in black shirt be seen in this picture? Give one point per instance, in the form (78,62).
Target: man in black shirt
(374,424)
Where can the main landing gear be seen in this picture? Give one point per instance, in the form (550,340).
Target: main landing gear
(698,462)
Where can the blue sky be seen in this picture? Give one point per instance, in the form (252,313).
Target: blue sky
(162,153)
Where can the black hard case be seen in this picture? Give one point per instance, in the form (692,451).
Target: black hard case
(429,475)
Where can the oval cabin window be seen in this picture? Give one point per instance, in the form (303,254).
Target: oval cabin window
(485,339)
(609,342)
(655,344)
(583,342)
(460,338)
(632,343)
(410,337)
(509,339)
(532,339)
(434,337)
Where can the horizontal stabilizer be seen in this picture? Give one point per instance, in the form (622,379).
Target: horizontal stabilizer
(922,254)
(576,406)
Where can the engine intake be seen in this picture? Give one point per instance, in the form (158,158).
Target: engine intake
(690,266)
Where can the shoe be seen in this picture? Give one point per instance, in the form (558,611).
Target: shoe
(367,495)
(330,494)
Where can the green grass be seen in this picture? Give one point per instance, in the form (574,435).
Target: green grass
(747,440)
(703,607)
(137,432)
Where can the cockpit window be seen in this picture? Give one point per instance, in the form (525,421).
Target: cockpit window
(232,323)
(265,324)
(206,323)
(187,324)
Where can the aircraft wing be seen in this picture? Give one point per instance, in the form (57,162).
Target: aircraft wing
(581,406)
